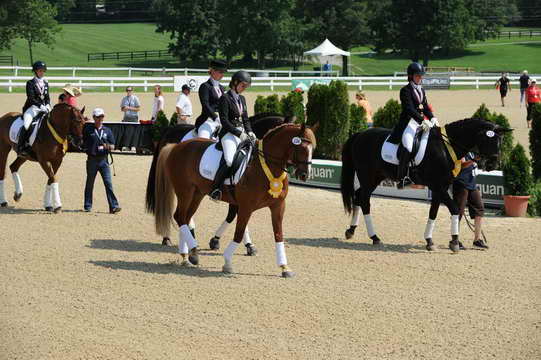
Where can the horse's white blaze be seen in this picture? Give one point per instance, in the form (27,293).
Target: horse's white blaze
(356,216)
(221,229)
(18,183)
(2,195)
(454,224)
(187,235)
(246,239)
(48,196)
(309,159)
(281,259)
(56,195)
(369,225)
(229,251)
(182,243)
(429,229)
(191,224)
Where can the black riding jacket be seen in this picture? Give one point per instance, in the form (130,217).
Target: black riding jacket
(230,116)
(34,95)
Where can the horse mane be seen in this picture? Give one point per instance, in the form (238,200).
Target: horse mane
(262,115)
(310,135)
(467,123)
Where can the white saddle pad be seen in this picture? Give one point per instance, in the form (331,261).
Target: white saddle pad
(389,150)
(210,161)
(16,127)
(189,135)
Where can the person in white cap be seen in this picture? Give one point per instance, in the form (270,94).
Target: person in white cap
(98,141)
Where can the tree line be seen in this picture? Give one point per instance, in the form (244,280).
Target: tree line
(271,30)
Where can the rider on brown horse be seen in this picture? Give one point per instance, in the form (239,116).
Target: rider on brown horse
(37,101)
(235,126)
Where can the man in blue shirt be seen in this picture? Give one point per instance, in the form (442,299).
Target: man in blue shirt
(98,141)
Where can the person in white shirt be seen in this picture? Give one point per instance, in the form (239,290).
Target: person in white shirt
(184,106)
(159,102)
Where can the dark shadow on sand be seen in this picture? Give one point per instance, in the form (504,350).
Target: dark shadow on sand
(336,243)
(140,246)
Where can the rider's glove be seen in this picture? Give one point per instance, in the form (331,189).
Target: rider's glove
(426,125)
(252,136)
(434,121)
(243,136)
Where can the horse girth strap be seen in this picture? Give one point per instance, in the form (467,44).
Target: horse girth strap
(276,185)
(58,138)
(456,162)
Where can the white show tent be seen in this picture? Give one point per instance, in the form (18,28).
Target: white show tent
(326,48)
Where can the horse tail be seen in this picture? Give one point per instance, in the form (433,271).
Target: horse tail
(163,194)
(150,203)
(348,174)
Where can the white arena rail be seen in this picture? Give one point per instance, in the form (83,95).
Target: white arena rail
(97,82)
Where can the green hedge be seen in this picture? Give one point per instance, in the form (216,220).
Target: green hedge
(507,141)
(174,119)
(269,103)
(357,119)
(517,178)
(535,142)
(482,113)
(534,205)
(159,125)
(292,105)
(388,115)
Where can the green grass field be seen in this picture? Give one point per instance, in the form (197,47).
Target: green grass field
(76,40)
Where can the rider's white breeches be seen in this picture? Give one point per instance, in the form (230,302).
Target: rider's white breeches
(29,115)
(409,134)
(230,143)
(208,128)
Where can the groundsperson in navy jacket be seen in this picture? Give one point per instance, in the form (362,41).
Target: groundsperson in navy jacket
(98,141)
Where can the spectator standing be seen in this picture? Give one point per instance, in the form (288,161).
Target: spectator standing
(184,106)
(71,94)
(159,102)
(61,98)
(130,105)
(465,192)
(98,141)
(362,101)
(504,85)
(524,83)
(533,96)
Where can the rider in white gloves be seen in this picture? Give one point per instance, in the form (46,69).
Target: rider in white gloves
(235,126)
(37,101)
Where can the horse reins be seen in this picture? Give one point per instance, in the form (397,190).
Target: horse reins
(276,161)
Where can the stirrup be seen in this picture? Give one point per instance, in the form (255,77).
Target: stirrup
(405,182)
(216,195)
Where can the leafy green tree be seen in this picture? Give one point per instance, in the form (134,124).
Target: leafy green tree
(517,179)
(388,116)
(8,22)
(64,8)
(193,26)
(292,105)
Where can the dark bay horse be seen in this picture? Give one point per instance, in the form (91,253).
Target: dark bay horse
(49,149)
(361,158)
(261,124)
(264,184)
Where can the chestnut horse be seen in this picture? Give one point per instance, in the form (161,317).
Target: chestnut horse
(264,184)
(49,149)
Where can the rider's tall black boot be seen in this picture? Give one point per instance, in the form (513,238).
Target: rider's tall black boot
(22,146)
(221,174)
(403,162)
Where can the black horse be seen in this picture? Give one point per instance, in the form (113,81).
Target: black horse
(361,157)
(261,123)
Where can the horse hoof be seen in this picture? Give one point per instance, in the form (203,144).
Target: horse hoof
(194,257)
(49,208)
(251,250)
(349,233)
(57,210)
(430,245)
(376,241)
(4,204)
(166,242)
(17,197)
(288,274)
(214,243)
(454,246)
(227,269)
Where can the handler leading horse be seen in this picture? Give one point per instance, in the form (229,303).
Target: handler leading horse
(361,158)
(264,184)
(49,148)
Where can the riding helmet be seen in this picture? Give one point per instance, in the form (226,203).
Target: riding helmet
(241,76)
(415,69)
(218,65)
(39,65)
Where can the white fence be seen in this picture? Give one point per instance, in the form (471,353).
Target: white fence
(96,83)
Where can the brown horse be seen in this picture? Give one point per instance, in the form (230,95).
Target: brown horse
(264,184)
(49,149)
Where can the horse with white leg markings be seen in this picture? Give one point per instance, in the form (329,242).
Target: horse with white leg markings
(48,149)
(363,168)
(261,124)
(263,184)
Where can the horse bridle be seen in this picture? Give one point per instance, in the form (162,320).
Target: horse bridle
(276,161)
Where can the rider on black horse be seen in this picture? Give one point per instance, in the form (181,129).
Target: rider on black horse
(37,101)
(235,126)
(414,107)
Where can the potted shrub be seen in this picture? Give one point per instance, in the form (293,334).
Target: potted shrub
(517,182)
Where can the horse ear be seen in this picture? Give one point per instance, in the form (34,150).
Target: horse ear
(83,110)
(501,130)
(314,127)
(303,128)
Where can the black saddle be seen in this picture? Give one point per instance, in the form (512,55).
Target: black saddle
(242,152)
(415,147)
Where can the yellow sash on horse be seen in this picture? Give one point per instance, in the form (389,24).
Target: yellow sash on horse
(276,185)
(456,161)
(57,137)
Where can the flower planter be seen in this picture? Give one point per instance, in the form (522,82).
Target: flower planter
(516,205)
